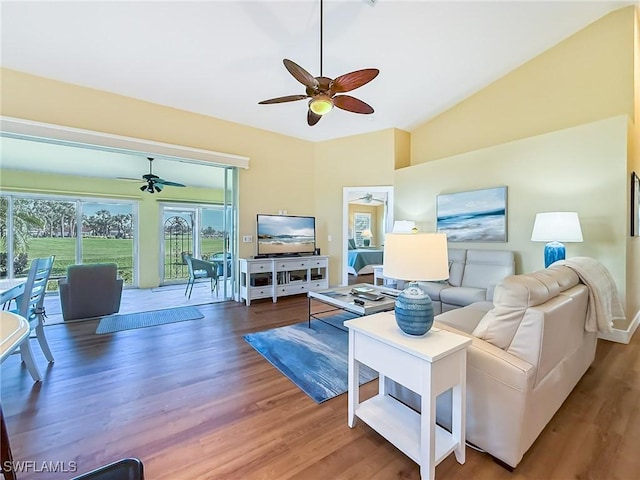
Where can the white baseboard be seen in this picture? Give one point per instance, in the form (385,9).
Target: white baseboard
(622,336)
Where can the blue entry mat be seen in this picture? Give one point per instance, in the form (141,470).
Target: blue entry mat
(315,359)
(129,321)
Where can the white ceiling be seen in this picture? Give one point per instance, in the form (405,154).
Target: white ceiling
(220,58)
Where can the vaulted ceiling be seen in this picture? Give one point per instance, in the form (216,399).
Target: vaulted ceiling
(220,58)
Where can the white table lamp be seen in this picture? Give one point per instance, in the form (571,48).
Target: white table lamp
(415,257)
(366,235)
(554,228)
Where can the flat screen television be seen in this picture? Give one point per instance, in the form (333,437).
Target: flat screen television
(282,235)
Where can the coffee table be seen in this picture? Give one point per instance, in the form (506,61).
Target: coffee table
(341,298)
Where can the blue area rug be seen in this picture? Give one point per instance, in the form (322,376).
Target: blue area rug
(129,321)
(315,359)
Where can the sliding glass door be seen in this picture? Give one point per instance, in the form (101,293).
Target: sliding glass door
(206,231)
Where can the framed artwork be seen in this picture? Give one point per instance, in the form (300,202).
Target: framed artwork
(635,205)
(473,216)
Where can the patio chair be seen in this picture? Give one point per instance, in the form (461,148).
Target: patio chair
(222,273)
(30,306)
(199,269)
(90,290)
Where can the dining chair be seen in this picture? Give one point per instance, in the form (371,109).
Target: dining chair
(199,269)
(31,307)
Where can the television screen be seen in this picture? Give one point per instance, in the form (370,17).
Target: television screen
(286,235)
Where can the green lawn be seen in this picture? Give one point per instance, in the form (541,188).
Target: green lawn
(98,250)
(95,250)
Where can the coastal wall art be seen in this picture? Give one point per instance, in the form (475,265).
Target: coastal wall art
(473,216)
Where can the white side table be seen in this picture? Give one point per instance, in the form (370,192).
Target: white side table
(379,279)
(427,365)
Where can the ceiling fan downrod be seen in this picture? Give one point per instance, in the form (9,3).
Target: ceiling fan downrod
(321,28)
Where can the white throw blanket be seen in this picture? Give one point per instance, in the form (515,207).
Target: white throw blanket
(604,303)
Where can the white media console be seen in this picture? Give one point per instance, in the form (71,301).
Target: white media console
(282,276)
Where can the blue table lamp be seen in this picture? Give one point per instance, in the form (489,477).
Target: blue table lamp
(415,257)
(556,227)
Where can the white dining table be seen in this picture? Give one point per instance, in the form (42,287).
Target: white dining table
(13,330)
(11,288)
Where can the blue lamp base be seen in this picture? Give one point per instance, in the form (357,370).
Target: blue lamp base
(414,310)
(553,251)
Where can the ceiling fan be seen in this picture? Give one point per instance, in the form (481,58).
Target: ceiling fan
(155,183)
(323,90)
(368,198)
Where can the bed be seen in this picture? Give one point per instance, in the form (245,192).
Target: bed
(362,260)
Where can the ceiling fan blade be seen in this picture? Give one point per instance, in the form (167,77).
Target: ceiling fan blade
(128,179)
(162,181)
(289,98)
(312,118)
(300,74)
(352,104)
(353,80)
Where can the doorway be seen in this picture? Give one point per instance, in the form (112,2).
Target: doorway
(359,203)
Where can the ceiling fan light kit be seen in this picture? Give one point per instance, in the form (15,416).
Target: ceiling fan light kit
(321,105)
(154,183)
(322,90)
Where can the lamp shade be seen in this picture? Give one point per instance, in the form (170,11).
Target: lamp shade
(416,256)
(403,226)
(367,233)
(557,226)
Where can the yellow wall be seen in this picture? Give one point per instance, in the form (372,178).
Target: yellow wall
(149,207)
(587,77)
(362,160)
(558,171)
(279,175)
(590,76)
(633,247)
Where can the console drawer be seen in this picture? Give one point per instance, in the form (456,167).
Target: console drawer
(261,292)
(259,267)
(292,289)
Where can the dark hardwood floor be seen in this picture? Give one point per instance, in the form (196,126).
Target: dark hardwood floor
(193,400)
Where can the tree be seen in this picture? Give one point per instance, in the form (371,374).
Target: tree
(23,222)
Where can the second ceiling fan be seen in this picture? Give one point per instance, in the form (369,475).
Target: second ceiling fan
(323,91)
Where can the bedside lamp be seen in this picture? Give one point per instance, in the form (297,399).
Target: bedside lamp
(415,257)
(556,227)
(366,235)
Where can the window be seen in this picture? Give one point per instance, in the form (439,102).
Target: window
(361,222)
(33,227)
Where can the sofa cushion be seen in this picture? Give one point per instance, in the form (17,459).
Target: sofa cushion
(513,296)
(487,266)
(465,319)
(462,296)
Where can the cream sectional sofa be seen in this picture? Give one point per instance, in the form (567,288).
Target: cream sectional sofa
(529,349)
(473,274)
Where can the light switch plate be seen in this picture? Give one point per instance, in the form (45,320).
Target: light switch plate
(247,238)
